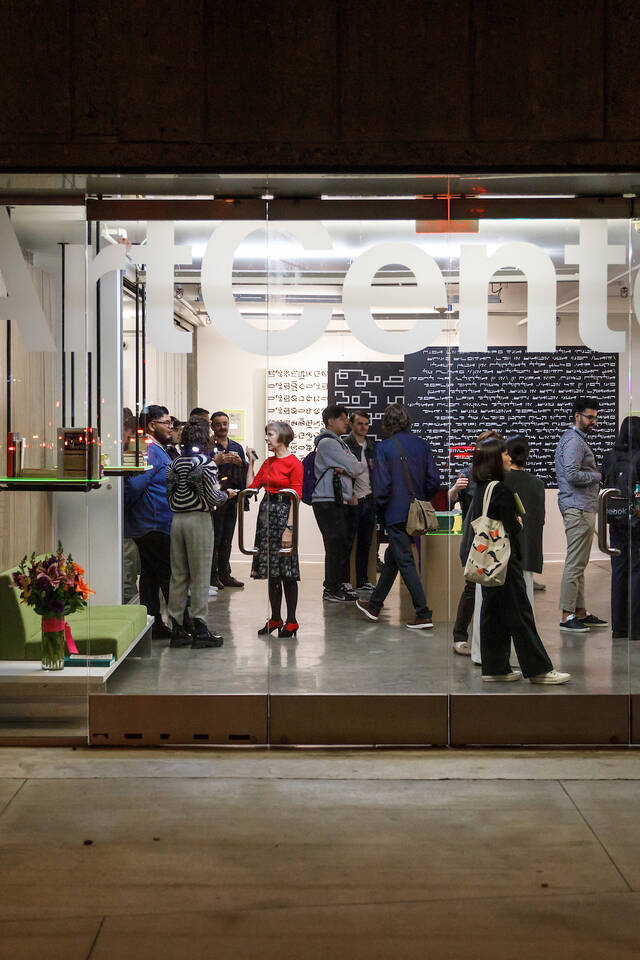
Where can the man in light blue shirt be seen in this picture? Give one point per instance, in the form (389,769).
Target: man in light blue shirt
(578,487)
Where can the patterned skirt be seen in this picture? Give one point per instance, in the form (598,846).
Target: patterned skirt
(268,564)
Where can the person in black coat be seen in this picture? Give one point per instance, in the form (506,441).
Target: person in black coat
(621,468)
(530,489)
(506,611)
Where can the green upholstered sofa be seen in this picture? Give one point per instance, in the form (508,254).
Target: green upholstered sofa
(95,629)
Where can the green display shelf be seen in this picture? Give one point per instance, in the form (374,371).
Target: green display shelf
(25,484)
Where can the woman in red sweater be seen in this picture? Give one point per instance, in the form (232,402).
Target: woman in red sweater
(274,529)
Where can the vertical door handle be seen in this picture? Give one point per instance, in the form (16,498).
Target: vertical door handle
(295,500)
(602,520)
(242,496)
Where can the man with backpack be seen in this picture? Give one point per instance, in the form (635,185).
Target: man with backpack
(333,466)
(578,486)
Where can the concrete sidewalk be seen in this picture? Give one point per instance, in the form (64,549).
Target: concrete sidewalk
(233,854)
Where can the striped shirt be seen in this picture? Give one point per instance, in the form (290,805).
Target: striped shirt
(192,485)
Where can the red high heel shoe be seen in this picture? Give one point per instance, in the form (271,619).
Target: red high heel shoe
(288,631)
(269,627)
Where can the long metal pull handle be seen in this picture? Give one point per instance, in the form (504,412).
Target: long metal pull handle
(602,520)
(295,500)
(242,496)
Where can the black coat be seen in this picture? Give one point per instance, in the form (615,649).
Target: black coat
(530,489)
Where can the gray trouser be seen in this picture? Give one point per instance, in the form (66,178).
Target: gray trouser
(130,569)
(579,527)
(191,553)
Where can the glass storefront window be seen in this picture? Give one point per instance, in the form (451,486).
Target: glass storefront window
(487,323)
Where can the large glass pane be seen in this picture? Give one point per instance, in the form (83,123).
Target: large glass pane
(346,315)
(49,470)
(543,322)
(179,366)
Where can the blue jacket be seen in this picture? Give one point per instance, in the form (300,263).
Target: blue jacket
(576,472)
(389,484)
(145,497)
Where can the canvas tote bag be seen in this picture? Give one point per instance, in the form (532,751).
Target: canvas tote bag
(422,517)
(490,550)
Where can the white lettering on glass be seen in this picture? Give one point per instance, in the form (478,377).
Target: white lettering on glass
(359,296)
(21,304)
(78,335)
(476,270)
(217,289)
(593,254)
(159,256)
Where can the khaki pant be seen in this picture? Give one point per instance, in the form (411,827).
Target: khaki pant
(191,553)
(579,527)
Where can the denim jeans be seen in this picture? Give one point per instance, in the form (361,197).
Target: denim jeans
(399,557)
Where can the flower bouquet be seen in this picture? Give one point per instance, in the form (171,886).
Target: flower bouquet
(53,586)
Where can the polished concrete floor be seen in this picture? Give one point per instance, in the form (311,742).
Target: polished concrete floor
(309,854)
(339,651)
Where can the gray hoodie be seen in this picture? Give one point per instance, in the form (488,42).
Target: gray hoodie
(333,452)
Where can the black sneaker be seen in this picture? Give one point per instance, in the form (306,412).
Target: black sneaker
(202,636)
(337,596)
(231,582)
(573,625)
(180,636)
(159,630)
(592,621)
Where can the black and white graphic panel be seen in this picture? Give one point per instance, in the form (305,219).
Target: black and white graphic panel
(454,396)
(370,385)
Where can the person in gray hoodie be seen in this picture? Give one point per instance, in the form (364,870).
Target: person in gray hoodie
(335,467)
(578,486)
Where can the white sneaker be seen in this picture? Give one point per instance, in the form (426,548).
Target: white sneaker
(553,676)
(213,591)
(502,677)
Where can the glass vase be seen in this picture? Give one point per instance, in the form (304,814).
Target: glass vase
(53,650)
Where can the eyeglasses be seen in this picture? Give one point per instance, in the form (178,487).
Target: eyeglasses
(590,417)
(167,423)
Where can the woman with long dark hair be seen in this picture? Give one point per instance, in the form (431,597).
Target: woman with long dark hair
(274,530)
(621,469)
(506,611)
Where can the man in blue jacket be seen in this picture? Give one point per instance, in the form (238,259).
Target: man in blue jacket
(392,501)
(147,517)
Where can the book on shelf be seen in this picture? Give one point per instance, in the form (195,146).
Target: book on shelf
(89,660)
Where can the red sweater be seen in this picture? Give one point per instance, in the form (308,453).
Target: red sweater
(276,473)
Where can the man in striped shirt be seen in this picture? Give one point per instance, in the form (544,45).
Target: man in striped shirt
(193,491)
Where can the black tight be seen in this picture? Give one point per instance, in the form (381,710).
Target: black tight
(290,595)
